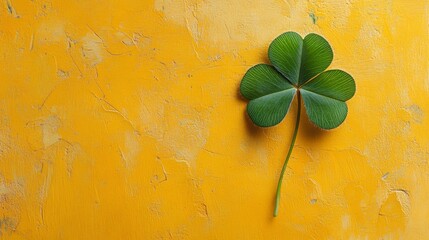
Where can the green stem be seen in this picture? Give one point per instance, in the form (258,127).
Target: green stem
(279,185)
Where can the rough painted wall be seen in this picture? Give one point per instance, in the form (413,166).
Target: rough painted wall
(122,120)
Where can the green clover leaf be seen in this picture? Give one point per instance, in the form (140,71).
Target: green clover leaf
(297,69)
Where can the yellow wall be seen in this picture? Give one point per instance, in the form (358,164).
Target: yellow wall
(122,120)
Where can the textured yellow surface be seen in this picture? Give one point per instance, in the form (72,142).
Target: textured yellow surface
(122,120)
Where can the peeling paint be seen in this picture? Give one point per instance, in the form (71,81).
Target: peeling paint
(416,113)
(50,131)
(223,24)
(92,49)
(11,9)
(313,17)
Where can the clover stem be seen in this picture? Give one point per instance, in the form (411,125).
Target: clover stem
(279,185)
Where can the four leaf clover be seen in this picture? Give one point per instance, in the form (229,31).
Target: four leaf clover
(298,69)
